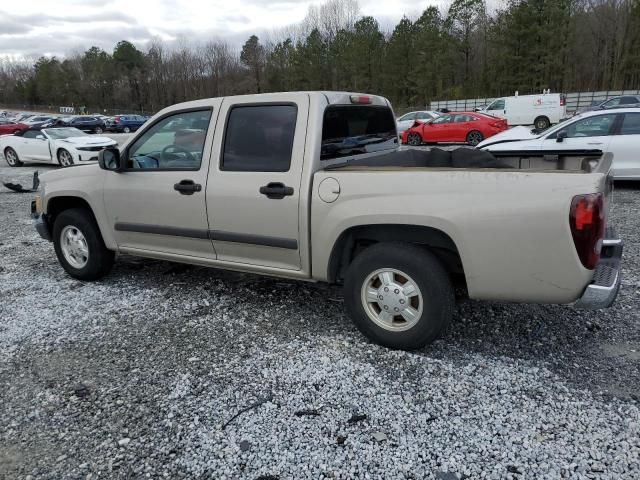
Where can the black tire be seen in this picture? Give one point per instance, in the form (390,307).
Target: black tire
(424,269)
(414,139)
(474,137)
(11,157)
(126,130)
(541,123)
(65,159)
(100,258)
(98,130)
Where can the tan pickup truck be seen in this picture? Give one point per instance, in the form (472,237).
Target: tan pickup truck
(313,186)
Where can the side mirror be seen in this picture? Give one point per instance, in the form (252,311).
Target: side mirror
(561,136)
(109,159)
(40,137)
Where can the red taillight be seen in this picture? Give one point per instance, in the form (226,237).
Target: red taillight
(361,99)
(587,227)
(563,100)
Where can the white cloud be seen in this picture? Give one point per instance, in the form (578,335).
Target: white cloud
(37,27)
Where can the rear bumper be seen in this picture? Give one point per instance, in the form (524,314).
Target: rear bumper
(603,289)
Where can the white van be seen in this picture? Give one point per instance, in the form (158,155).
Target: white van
(541,111)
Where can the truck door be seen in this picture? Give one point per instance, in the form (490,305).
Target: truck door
(34,145)
(253,194)
(624,146)
(157,204)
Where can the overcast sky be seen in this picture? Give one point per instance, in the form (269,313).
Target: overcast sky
(58,27)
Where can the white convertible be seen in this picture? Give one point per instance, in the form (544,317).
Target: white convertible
(65,146)
(616,131)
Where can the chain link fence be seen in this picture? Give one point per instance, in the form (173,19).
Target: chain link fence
(574,100)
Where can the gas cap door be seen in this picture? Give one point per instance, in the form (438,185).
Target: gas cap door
(329,190)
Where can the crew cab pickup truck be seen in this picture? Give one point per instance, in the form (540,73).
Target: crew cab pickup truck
(314,186)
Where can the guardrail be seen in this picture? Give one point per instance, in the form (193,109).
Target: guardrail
(575,100)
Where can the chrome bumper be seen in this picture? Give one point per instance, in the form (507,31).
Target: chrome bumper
(603,289)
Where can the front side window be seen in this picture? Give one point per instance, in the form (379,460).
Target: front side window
(596,126)
(630,124)
(31,134)
(171,148)
(497,105)
(423,116)
(356,129)
(614,102)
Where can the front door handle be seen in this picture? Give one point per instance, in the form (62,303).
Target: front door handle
(187,187)
(276,190)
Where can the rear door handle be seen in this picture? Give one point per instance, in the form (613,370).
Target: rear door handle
(187,187)
(276,190)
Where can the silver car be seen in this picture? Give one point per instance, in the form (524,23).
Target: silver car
(408,119)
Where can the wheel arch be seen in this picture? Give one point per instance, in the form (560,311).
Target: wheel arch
(356,239)
(56,205)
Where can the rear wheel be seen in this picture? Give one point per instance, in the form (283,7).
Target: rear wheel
(98,130)
(79,245)
(126,130)
(541,123)
(65,159)
(414,139)
(474,137)
(12,158)
(398,295)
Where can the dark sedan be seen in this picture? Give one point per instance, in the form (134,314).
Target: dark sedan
(623,101)
(86,123)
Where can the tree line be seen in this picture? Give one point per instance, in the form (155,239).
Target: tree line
(466,50)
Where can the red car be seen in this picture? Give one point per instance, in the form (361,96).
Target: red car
(469,127)
(8,127)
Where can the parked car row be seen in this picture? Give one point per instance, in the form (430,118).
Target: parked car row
(94,123)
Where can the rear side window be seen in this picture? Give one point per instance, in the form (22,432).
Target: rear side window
(628,100)
(355,129)
(259,138)
(630,124)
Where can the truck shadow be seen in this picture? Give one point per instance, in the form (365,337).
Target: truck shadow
(590,349)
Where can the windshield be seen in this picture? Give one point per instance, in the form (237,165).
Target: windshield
(60,133)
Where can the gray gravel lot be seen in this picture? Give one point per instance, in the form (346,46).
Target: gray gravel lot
(142,375)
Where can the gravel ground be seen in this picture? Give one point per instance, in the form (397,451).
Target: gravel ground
(167,371)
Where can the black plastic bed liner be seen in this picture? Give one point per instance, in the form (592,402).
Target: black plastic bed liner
(435,157)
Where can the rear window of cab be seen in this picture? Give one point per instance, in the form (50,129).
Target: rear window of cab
(356,129)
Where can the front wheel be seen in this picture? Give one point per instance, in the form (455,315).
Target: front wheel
(414,139)
(399,295)
(12,158)
(79,245)
(474,138)
(98,130)
(65,159)
(126,130)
